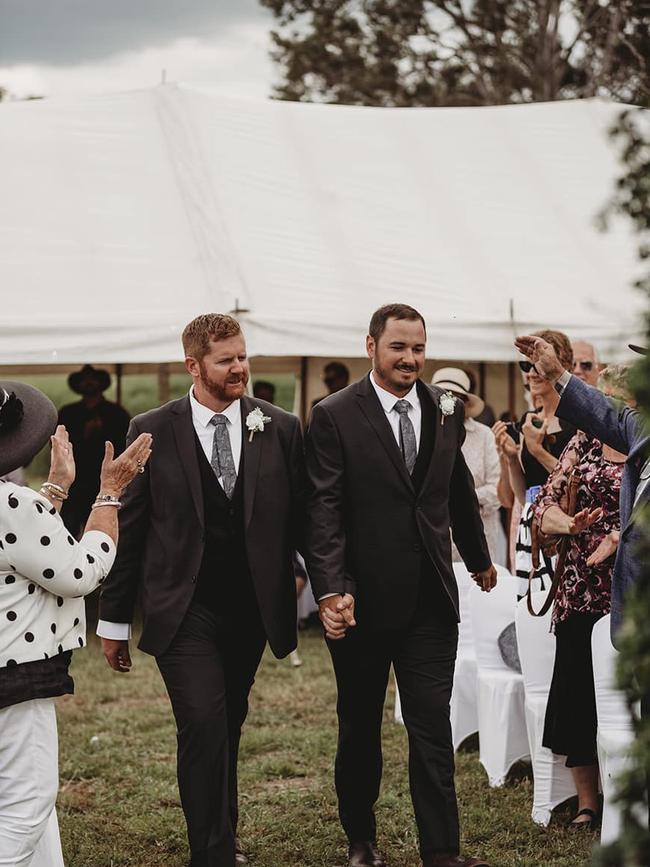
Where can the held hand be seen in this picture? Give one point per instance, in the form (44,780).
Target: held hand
(116,474)
(581,521)
(62,468)
(604,551)
(117,654)
(337,615)
(533,434)
(542,354)
(487,579)
(506,446)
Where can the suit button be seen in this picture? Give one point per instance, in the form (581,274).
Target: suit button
(193,579)
(417,547)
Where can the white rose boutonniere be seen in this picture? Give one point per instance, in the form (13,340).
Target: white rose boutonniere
(255,421)
(447,404)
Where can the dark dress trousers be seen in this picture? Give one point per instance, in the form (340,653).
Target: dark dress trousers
(215,581)
(383,535)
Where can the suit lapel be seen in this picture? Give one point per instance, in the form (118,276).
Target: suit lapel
(429,404)
(250,459)
(374,412)
(186,446)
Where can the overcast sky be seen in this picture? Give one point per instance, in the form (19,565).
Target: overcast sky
(55,47)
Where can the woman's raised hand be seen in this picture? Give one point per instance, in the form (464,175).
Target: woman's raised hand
(62,468)
(117,473)
(581,521)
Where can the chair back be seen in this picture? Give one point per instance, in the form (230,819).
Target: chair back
(491,613)
(536,645)
(611,707)
(464,582)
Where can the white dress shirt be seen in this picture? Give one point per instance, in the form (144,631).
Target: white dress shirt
(201,419)
(388,402)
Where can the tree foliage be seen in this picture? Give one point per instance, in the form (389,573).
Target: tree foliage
(461,52)
(632,199)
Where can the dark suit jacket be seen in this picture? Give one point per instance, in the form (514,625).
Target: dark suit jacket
(623,429)
(367,527)
(161,539)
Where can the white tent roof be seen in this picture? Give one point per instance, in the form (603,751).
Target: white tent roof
(123,216)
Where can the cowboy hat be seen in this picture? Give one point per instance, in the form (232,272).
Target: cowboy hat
(102,377)
(457,381)
(27,420)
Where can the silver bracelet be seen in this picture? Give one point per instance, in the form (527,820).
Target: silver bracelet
(97,505)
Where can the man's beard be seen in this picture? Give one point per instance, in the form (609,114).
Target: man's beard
(389,374)
(220,392)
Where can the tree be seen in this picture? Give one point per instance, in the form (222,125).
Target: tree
(461,52)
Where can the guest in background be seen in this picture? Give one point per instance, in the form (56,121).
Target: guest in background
(335,376)
(479,451)
(264,390)
(583,597)
(532,449)
(90,423)
(585,362)
(487,415)
(44,574)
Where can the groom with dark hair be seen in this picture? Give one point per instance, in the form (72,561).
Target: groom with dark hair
(387,481)
(207,537)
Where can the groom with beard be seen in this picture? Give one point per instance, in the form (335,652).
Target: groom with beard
(207,535)
(387,480)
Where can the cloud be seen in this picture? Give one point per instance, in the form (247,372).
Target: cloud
(70,32)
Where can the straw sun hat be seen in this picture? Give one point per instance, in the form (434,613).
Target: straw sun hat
(456,381)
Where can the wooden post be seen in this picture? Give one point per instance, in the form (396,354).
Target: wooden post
(512,397)
(304,366)
(481,380)
(118,383)
(164,390)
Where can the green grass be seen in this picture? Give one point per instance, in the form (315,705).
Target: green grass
(119,803)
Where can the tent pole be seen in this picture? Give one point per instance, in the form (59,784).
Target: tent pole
(304,361)
(481,380)
(118,383)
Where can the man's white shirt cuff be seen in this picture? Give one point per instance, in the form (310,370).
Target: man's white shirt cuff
(114,631)
(327,596)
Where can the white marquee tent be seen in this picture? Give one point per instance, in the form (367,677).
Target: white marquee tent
(122,216)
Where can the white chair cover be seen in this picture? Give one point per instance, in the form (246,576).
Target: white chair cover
(501,715)
(464,715)
(553,783)
(615,731)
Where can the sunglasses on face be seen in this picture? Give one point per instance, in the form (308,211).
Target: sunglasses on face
(583,365)
(526,366)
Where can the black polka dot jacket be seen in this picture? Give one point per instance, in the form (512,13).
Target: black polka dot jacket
(44,575)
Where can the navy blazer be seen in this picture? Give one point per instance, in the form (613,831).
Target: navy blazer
(622,429)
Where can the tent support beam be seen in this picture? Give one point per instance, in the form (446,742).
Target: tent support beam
(164,390)
(304,362)
(118,383)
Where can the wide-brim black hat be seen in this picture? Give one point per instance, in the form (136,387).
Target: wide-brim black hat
(27,420)
(102,377)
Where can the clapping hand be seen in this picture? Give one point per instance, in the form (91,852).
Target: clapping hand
(505,444)
(62,468)
(534,434)
(604,551)
(582,520)
(337,615)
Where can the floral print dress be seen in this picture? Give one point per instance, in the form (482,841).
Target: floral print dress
(584,589)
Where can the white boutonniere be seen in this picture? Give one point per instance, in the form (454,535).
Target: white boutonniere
(255,421)
(447,404)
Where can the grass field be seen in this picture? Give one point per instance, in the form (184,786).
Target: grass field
(119,804)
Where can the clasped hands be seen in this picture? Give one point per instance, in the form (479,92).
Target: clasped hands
(337,612)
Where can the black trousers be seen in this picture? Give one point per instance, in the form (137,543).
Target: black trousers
(423,656)
(208,671)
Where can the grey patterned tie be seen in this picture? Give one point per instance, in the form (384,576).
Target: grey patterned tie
(407,440)
(222,459)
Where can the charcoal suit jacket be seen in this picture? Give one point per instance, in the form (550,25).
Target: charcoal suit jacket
(369,531)
(161,542)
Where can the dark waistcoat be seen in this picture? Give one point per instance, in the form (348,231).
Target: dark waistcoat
(224,577)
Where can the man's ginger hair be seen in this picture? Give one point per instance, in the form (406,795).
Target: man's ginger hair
(206,329)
